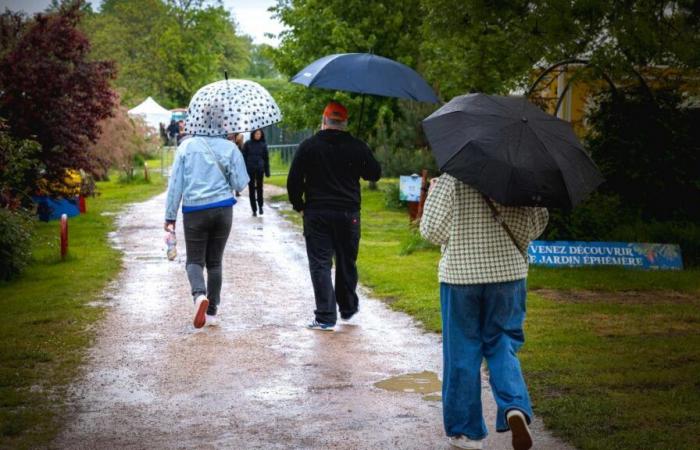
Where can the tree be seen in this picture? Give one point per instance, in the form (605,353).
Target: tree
(167,49)
(122,138)
(53,94)
(261,65)
(317,28)
(492,46)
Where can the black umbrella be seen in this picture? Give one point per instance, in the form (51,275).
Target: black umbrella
(512,151)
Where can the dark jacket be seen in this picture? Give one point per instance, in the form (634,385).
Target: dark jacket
(256,156)
(173,129)
(326,172)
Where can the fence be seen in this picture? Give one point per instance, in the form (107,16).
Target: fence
(281,157)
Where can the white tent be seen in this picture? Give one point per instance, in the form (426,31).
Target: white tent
(152,113)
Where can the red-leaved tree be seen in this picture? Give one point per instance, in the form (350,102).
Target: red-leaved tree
(51,92)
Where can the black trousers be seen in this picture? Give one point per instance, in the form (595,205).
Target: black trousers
(331,234)
(255,189)
(206,233)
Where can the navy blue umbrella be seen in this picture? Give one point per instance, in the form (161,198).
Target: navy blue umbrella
(365,73)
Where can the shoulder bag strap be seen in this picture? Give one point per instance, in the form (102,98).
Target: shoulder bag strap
(218,164)
(499,218)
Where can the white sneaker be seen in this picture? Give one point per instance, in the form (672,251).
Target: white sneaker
(212,321)
(465,442)
(520,433)
(201,303)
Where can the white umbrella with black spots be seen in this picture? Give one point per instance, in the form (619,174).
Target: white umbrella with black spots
(230,106)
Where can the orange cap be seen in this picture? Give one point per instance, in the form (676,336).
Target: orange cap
(336,111)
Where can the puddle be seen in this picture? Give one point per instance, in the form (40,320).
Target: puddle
(421,383)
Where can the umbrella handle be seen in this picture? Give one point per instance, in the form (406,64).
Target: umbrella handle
(359,122)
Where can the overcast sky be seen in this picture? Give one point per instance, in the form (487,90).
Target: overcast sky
(252,15)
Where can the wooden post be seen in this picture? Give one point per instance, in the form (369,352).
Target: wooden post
(64,236)
(145,171)
(423,192)
(413,211)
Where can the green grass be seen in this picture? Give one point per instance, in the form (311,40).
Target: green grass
(607,368)
(613,279)
(47,318)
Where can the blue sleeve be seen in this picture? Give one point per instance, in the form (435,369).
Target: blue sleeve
(238,175)
(175,186)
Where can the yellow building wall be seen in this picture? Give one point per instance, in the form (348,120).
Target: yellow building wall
(577,100)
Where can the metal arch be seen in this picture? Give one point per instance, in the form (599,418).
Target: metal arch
(586,63)
(551,68)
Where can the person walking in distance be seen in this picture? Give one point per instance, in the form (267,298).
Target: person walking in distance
(482,275)
(324,186)
(257,161)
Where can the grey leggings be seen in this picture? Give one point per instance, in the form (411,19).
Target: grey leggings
(206,233)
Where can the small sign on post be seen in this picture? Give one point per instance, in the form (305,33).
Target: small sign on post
(64,236)
(409,188)
(412,190)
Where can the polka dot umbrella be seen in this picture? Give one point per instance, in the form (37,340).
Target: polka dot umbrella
(230,106)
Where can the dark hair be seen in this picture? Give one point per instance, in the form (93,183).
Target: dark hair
(262,135)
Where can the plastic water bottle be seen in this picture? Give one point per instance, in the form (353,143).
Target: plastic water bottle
(171,243)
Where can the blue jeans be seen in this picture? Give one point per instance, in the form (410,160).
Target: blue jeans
(482,321)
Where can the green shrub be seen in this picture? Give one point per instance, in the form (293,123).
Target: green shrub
(415,242)
(20,167)
(648,151)
(399,143)
(404,161)
(16,232)
(685,234)
(602,217)
(391,197)
(592,220)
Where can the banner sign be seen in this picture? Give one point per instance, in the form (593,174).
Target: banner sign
(409,188)
(626,254)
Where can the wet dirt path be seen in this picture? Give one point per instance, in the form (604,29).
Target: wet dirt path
(259,380)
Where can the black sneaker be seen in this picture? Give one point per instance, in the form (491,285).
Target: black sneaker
(261,211)
(316,325)
(255,214)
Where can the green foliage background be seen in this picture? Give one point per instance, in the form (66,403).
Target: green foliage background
(168,49)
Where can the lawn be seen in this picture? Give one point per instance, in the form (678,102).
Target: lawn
(43,344)
(612,355)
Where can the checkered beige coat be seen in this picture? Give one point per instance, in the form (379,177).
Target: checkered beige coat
(475,248)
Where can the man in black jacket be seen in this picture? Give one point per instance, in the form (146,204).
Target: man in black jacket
(324,186)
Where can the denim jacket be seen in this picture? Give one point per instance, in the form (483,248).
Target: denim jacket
(196,179)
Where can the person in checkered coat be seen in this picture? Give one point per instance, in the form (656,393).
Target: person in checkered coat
(482,275)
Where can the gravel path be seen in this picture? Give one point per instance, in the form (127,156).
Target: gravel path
(259,380)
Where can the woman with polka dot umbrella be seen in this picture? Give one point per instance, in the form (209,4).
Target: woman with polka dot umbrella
(207,170)
(230,106)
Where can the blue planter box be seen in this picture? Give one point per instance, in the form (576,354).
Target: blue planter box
(52,208)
